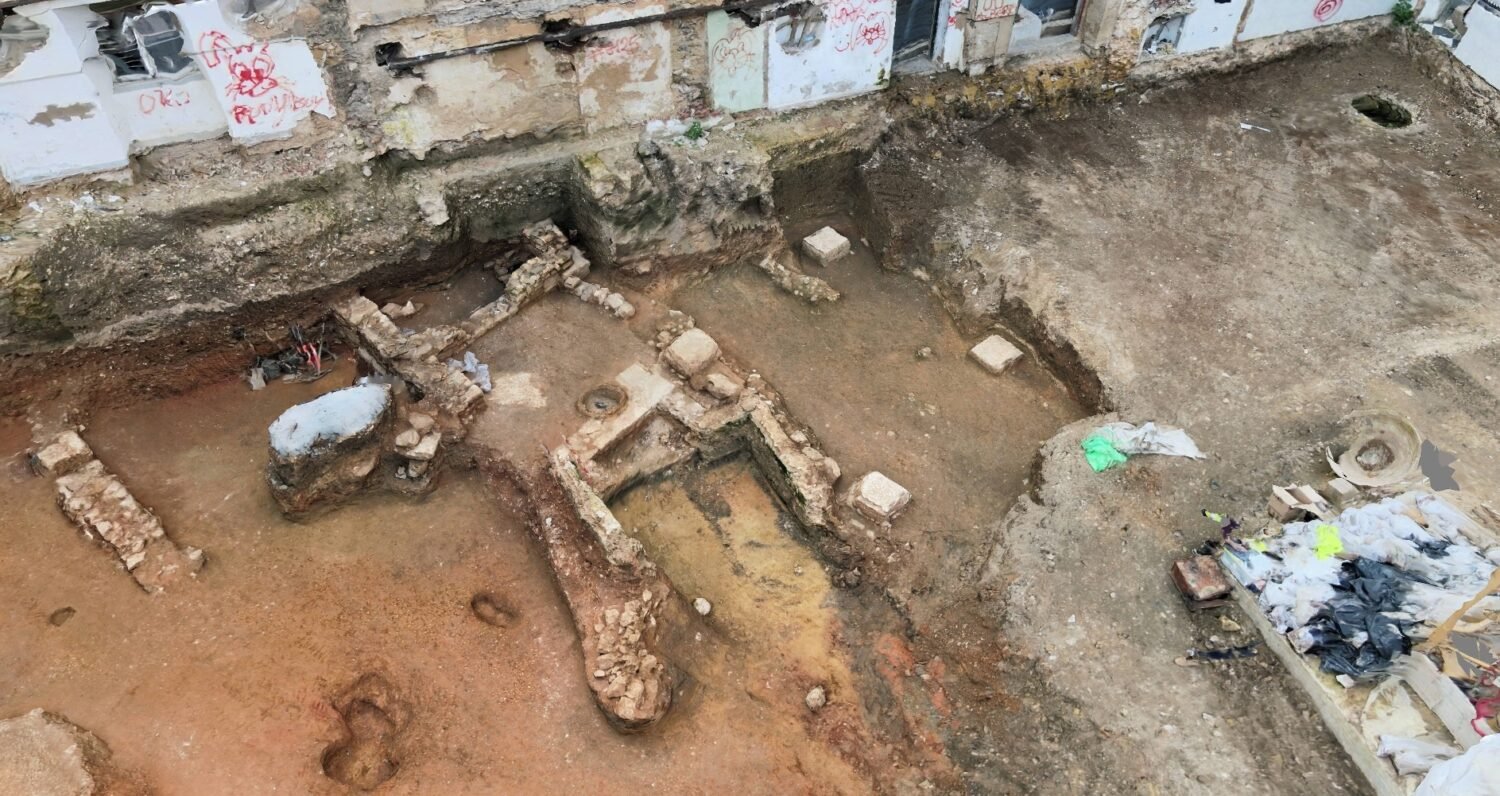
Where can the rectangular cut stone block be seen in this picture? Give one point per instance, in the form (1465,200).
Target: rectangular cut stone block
(878,497)
(692,352)
(995,354)
(826,245)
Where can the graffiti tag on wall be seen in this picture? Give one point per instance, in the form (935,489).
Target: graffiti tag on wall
(616,48)
(735,52)
(1325,9)
(257,93)
(162,97)
(859,24)
(985,10)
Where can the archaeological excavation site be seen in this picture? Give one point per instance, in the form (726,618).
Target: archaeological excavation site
(750,397)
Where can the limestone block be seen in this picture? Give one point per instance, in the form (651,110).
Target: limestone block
(825,246)
(995,354)
(722,386)
(66,453)
(878,497)
(692,352)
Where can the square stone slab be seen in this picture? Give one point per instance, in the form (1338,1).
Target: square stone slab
(878,497)
(692,352)
(995,354)
(826,245)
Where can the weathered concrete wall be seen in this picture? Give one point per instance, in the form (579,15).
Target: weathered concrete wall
(258,78)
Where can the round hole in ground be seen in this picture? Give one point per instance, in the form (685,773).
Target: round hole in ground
(602,401)
(493,609)
(1382,110)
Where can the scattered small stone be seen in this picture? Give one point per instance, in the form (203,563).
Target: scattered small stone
(798,437)
(816,698)
(421,422)
(702,606)
(408,438)
(925,353)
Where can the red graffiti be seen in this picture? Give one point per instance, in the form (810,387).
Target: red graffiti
(258,94)
(150,101)
(1325,9)
(733,52)
(274,107)
(993,9)
(616,48)
(249,66)
(954,9)
(859,23)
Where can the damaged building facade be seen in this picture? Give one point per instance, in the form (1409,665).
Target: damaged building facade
(84,86)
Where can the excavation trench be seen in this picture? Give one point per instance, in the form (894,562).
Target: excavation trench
(459,604)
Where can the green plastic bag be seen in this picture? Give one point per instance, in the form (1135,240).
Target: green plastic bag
(1100,453)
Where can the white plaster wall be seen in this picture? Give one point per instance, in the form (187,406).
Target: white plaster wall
(1275,17)
(53,121)
(156,112)
(56,127)
(852,56)
(736,62)
(1210,26)
(1480,46)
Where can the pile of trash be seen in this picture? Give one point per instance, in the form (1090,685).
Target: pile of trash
(1360,589)
(1110,444)
(1389,583)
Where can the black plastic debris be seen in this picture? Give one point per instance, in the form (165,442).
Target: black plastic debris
(1355,633)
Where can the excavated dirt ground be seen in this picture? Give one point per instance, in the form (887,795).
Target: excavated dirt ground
(1249,285)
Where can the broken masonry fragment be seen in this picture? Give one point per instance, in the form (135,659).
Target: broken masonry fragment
(878,497)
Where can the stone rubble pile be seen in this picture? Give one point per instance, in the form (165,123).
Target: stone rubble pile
(632,684)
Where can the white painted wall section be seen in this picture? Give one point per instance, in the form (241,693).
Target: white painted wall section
(1275,17)
(1211,25)
(848,52)
(951,34)
(53,121)
(1480,47)
(736,62)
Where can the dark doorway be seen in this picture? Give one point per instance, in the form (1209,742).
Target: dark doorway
(916,22)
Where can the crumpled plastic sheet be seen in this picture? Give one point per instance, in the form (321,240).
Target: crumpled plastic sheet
(1476,772)
(1356,615)
(1150,438)
(1415,755)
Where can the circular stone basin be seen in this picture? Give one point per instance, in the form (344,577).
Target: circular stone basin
(602,401)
